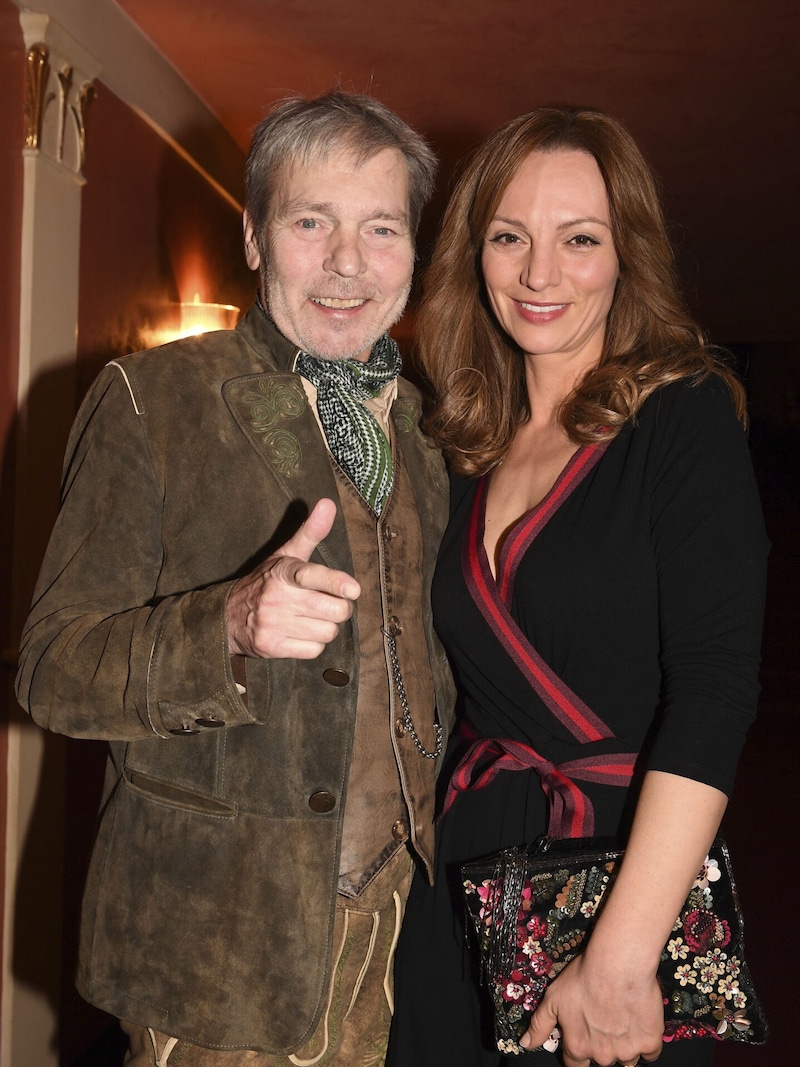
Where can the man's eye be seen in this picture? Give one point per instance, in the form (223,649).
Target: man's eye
(308,224)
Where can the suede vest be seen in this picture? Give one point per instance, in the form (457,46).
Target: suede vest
(388,774)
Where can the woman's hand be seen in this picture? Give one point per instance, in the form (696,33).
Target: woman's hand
(604,1015)
(607,1002)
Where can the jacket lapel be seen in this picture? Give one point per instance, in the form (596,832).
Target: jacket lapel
(273,413)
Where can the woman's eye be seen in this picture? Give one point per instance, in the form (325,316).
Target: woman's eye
(505,239)
(583,240)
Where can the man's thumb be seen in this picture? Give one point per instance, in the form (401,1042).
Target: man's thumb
(315,529)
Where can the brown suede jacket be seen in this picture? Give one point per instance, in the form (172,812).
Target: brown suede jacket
(208,911)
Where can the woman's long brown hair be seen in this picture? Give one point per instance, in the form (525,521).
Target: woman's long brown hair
(476,371)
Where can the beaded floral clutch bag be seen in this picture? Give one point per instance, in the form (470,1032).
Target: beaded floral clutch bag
(532,909)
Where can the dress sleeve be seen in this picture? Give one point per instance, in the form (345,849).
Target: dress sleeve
(711,549)
(102,655)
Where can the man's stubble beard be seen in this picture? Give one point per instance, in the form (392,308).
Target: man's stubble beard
(272,296)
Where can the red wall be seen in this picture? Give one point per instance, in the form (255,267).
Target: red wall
(153,231)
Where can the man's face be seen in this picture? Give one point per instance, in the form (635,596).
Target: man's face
(337,255)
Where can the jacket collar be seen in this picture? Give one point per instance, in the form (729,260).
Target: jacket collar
(261,333)
(275,350)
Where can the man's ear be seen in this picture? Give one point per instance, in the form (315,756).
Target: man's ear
(251,252)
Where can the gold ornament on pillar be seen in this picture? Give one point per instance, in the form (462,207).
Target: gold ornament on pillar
(55,93)
(37,71)
(65,84)
(86,95)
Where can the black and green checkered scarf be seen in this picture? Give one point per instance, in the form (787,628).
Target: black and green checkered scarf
(355,439)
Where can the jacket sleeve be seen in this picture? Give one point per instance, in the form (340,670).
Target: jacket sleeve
(102,654)
(711,552)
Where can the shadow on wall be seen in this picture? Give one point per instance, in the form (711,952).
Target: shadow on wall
(42,909)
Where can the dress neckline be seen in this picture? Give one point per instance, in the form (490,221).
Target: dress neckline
(529,525)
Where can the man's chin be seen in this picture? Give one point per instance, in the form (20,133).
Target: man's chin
(337,341)
(338,347)
(337,356)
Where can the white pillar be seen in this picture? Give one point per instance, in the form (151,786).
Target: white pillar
(59,81)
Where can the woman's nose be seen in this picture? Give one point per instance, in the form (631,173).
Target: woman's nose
(541,268)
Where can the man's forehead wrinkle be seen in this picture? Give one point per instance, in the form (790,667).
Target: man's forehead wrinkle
(300,203)
(330,207)
(320,155)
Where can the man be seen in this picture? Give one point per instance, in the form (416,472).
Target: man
(236,597)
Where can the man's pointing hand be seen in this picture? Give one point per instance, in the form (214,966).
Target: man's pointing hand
(288,608)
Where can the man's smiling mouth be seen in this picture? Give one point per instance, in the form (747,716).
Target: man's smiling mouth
(335,302)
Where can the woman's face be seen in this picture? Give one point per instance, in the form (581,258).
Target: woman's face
(548,258)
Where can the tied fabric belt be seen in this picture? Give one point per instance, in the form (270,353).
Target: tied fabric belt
(571,810)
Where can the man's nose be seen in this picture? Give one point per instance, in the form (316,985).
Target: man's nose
(345,254)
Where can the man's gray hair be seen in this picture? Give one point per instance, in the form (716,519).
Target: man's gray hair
(301,131)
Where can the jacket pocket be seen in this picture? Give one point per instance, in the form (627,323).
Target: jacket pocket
(176,796)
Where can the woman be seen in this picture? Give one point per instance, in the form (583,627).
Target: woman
(606,535)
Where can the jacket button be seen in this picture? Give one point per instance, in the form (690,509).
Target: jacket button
(210,721)
(400,830)
(322,802)
(389,533)
(184,731)
(335,676)
(399,728)
(395,626)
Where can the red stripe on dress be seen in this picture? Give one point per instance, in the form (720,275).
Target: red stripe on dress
(568,708)
(522,535)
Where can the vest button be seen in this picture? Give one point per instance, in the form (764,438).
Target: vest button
(399,728)
(395,626)
(400,830)
(322,802)
(335,676)
(389,533)
(209,721)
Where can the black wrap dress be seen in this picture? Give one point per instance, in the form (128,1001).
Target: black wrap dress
(621,634)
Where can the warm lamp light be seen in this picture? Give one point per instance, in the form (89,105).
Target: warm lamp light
(199,317)
(169,322)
